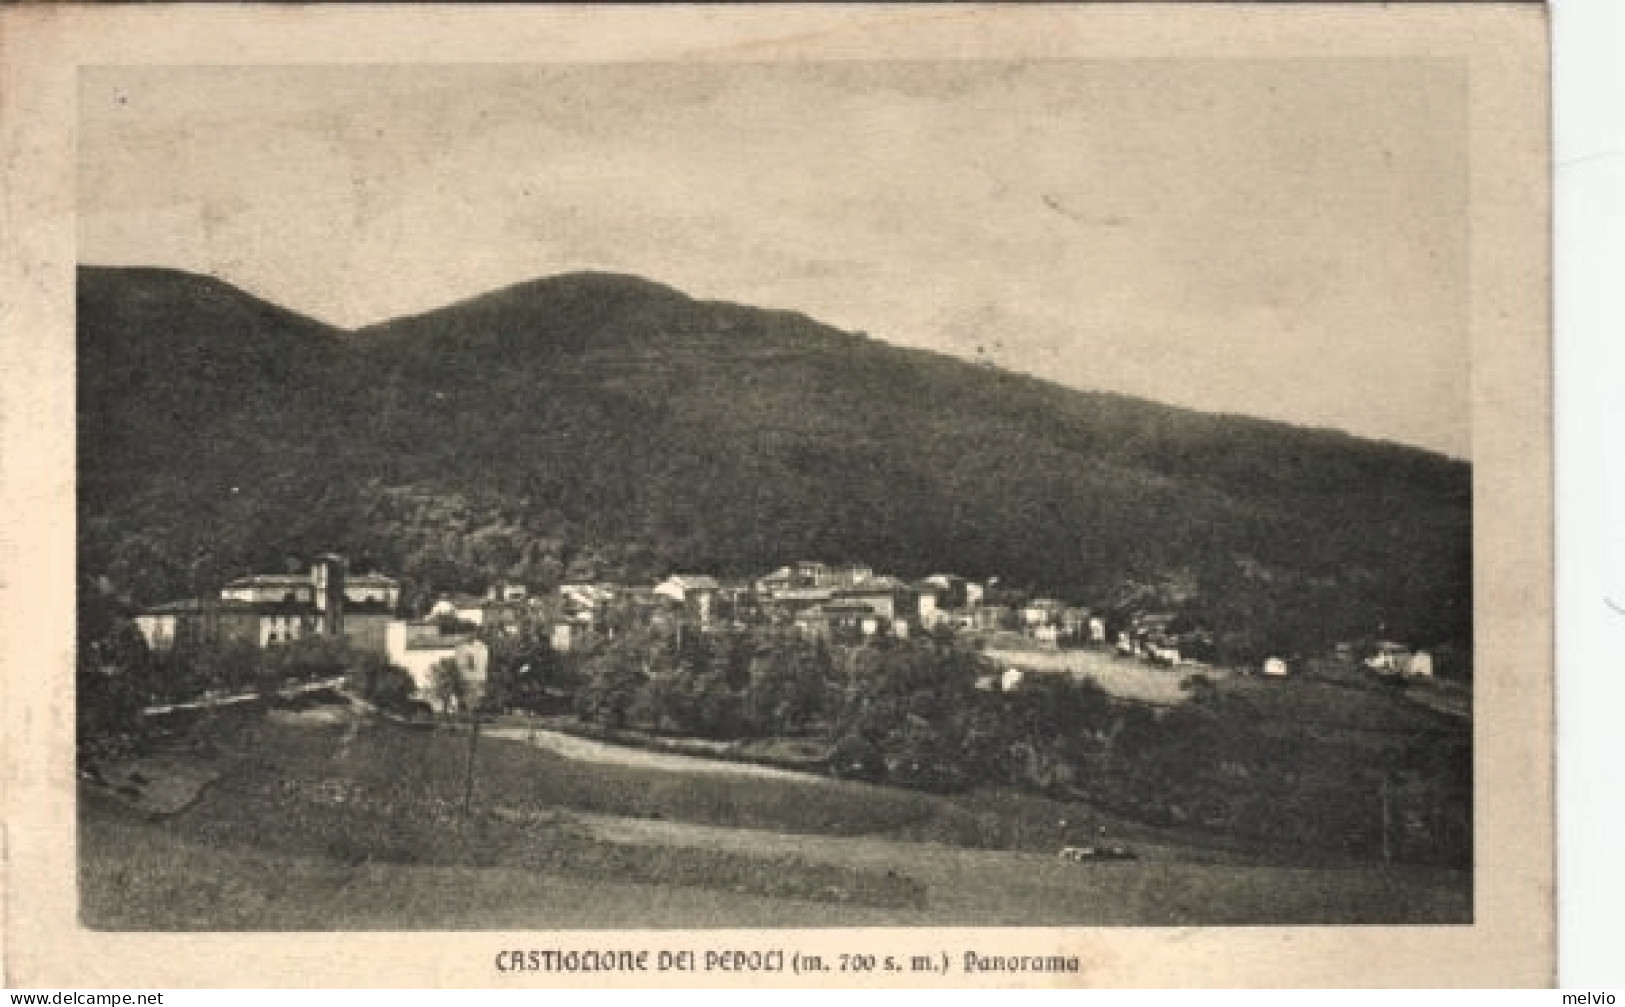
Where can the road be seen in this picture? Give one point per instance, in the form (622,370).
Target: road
(209,702)
(588,750)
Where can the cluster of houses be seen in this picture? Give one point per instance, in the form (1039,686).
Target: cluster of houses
(267,610)
(836,603)
(1152,635)
(852,603)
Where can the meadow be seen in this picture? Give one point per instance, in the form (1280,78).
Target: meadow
(329,826)
(1129,678)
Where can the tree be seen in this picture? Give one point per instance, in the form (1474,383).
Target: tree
(524,670)
(108,722)
(856,757)
(230,665)
(611,688)
(448,685)
(714,706)
(311,657)
(661,703)
(386,686)
(788,686)
(125,649)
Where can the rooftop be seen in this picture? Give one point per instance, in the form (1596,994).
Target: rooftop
(186,605)
(200,606)
(303,579)
(885,582)
(693,581)
(272,580)
(845,608)
(804,594)
(428,636)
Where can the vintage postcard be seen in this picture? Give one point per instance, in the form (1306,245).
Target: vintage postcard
(849,495)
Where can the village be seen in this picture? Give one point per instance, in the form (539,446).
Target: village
(848,605)
(736,494)
(836,701)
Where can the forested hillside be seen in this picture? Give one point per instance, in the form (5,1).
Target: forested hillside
(604,426)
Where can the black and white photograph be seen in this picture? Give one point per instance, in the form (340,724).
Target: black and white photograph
(824,494)
(865,491)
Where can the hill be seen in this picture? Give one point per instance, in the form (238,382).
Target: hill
(600,425)
(355,826)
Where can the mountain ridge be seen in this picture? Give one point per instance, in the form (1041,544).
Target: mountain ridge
(632,281)
(608,422)
(655,287)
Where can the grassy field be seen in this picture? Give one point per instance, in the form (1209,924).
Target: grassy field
(1124,677)
(308,825)
(1367,704)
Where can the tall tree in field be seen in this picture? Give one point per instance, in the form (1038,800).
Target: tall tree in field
(448,685)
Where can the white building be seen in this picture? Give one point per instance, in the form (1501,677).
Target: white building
(1390,658)
(696,591)
(1097,630)
(419,646)
(302,588)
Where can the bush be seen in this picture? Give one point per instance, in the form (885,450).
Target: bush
(311,657)
(857,758)
(387,686)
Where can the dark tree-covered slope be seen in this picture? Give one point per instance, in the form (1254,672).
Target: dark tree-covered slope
(599,425)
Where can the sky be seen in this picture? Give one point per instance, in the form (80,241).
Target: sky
(1277,238)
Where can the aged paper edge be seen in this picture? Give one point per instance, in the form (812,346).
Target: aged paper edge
(1511,942)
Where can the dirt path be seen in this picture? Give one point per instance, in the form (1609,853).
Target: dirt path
(210,702)
(587,750)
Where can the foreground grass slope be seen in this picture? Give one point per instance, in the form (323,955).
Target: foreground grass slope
(332,827)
